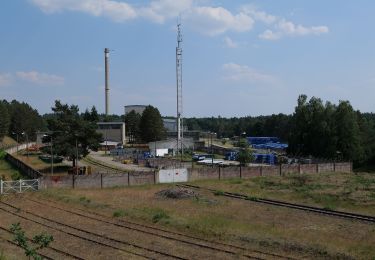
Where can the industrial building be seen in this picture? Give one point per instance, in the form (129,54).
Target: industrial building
(113,132)
(267,143)
(170,145)
(137,109)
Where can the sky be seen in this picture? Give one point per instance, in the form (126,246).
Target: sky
(240,57)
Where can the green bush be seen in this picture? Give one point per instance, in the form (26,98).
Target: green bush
(119,213)
(219,193)
(2,154)
(160,216)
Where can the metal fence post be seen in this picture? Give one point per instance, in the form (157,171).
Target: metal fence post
(20,185)
(1,186)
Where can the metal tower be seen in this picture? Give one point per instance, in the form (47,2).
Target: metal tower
(106,61)
(180,130)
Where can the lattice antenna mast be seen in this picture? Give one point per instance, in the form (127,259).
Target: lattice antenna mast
(180,130)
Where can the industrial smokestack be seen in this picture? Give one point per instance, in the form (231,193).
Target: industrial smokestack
(106,59)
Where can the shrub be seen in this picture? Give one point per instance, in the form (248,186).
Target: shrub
(160,216)
(119,213)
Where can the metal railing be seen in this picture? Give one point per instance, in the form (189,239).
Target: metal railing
(19,186)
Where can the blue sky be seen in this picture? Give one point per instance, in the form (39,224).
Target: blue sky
(240,57)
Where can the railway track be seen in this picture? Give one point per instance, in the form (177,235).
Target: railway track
(327,212)
(102,166)
(98,239)
(61,252)
(170,235)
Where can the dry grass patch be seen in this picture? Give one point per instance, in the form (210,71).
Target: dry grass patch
(243,222)
(335,191)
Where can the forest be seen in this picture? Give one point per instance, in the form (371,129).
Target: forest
(315,129)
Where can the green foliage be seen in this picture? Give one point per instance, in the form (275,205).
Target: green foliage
(119,213)
(243,143)
(245,156)
(42,240)
(219,193)
(331,132)
(160,215)
(132,123)
(23,118)
(273,125)
(67,127)
(2,255)
(252,198)
(4,120)
(2,154)
(91,116)
(151,125)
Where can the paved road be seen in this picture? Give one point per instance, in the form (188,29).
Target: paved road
(108,160)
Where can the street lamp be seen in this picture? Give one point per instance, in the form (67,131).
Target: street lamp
(16,134)
(212,149)
(51,145)
(77,154)
(27,143)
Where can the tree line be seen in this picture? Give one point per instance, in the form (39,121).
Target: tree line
(317,129)
(19,120)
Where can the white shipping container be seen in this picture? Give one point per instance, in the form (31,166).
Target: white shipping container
(161,152)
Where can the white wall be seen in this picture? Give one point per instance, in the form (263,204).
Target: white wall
(173,175)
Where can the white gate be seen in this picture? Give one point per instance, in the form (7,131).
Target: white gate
(173,175)
(19,186)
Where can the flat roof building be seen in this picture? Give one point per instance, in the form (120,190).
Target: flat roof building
(112,131)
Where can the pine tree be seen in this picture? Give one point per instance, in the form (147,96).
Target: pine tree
(151,125)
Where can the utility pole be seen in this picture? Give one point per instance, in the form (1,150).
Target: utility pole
(180,130)
(106,61)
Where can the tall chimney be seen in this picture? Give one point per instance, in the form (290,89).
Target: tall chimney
(106,59)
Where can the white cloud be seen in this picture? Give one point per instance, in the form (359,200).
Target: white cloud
(5,79)
(269,35)
(287,28)
(217,20)
(259,15)
(40,78)
(115,10)
(207,20)
(230,43)
(290,28)
(237,72)
(160,10)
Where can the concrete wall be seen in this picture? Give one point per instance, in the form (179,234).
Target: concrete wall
(229,172)
(279,170)
(97,180)
(289,169)
(203,173)
(250,172)
(23,167)
(20,147)
(326,167)
(270,171)
(308,168)
(343,167)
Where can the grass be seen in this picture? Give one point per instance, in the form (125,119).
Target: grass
(37,164)
(335,191)
(257,225)
(119,213)
(2,255)
(7,142)
(8,172)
